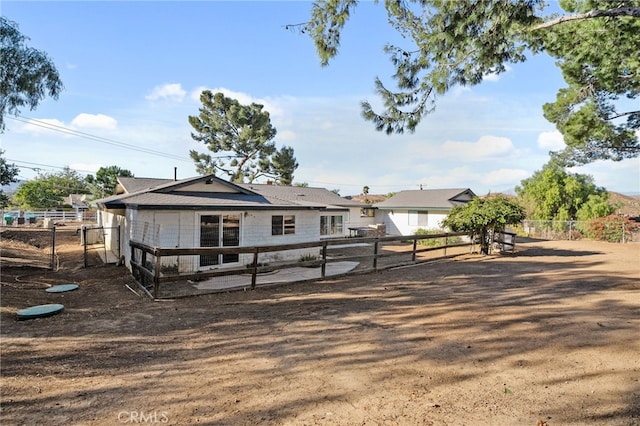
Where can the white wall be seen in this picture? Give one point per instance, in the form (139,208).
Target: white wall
(405,222)
(356,220)
(182,229)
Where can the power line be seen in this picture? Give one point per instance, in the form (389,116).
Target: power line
(72,132)
(43,165)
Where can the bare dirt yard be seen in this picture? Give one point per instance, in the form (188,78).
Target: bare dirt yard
(549,335)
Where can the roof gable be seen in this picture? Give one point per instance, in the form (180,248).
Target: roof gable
(437,199)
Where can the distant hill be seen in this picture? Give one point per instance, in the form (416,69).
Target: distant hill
(629,204)
(12,187)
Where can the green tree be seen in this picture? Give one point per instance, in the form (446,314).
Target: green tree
(242,132)
(597,205)
(8,174)
(48,190)
(27,75)
(554,194)
(282,165)
(481,217)
(105,181)
(450,43)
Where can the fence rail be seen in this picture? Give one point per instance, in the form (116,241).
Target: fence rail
(172,272)
(17,218)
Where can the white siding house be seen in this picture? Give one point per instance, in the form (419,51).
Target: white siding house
(407,211)
(207,211)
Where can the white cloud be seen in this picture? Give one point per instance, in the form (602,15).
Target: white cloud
(551,141)
(486,147)
(504,177)
(493,77)
(94,121)
(86,167)
(41,126)
(287,135)
(170,92)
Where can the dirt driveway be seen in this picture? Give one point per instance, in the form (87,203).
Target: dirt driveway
(549,335)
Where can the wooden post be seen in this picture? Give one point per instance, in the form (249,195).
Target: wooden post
(156,276)
(413,254)
(84,243)
(323,269)
(53,247)
(446,242)
(254,274)
(375,255)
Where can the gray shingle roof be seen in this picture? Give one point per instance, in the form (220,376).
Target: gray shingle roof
(168,194)
(437,199)
(133,184)
(302,195)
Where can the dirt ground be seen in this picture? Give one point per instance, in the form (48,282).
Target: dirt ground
(548,335)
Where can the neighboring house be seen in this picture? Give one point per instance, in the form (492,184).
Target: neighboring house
(207,211)
(78,202)
(407,211)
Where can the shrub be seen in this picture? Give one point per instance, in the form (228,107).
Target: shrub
(612,228)
(436,242)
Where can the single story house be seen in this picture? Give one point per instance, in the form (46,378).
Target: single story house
(207,211)
(407,211)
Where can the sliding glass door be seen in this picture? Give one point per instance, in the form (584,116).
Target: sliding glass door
(219,231)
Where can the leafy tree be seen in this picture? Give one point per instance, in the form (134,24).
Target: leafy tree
(48,190)
(8,174)
(554,194)
(459,42)
(282,166)
(597,205)
(106,179)
(481,217)
(244,131)
(27,75)
(301,184)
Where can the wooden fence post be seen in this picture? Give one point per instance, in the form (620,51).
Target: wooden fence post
(53,247)
(375,255)
(254,273)
(84,244)
(446,242)
(156,275)
(323,268)
(413,254)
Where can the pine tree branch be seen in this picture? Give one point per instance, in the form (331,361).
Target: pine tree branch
(630,11)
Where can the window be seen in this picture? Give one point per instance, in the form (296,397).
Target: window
(282,225)
(219,231)
(418,218)
(413,218)
(367,212)
(331,225)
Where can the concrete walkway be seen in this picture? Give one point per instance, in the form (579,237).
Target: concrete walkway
(280,276)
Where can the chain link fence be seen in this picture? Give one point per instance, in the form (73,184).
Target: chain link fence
(615,231)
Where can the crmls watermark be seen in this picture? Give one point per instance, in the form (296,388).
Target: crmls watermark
(138,417)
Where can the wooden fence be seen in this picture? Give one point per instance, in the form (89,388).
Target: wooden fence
(363,254)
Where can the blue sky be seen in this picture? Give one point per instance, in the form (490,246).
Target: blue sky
(133,72)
